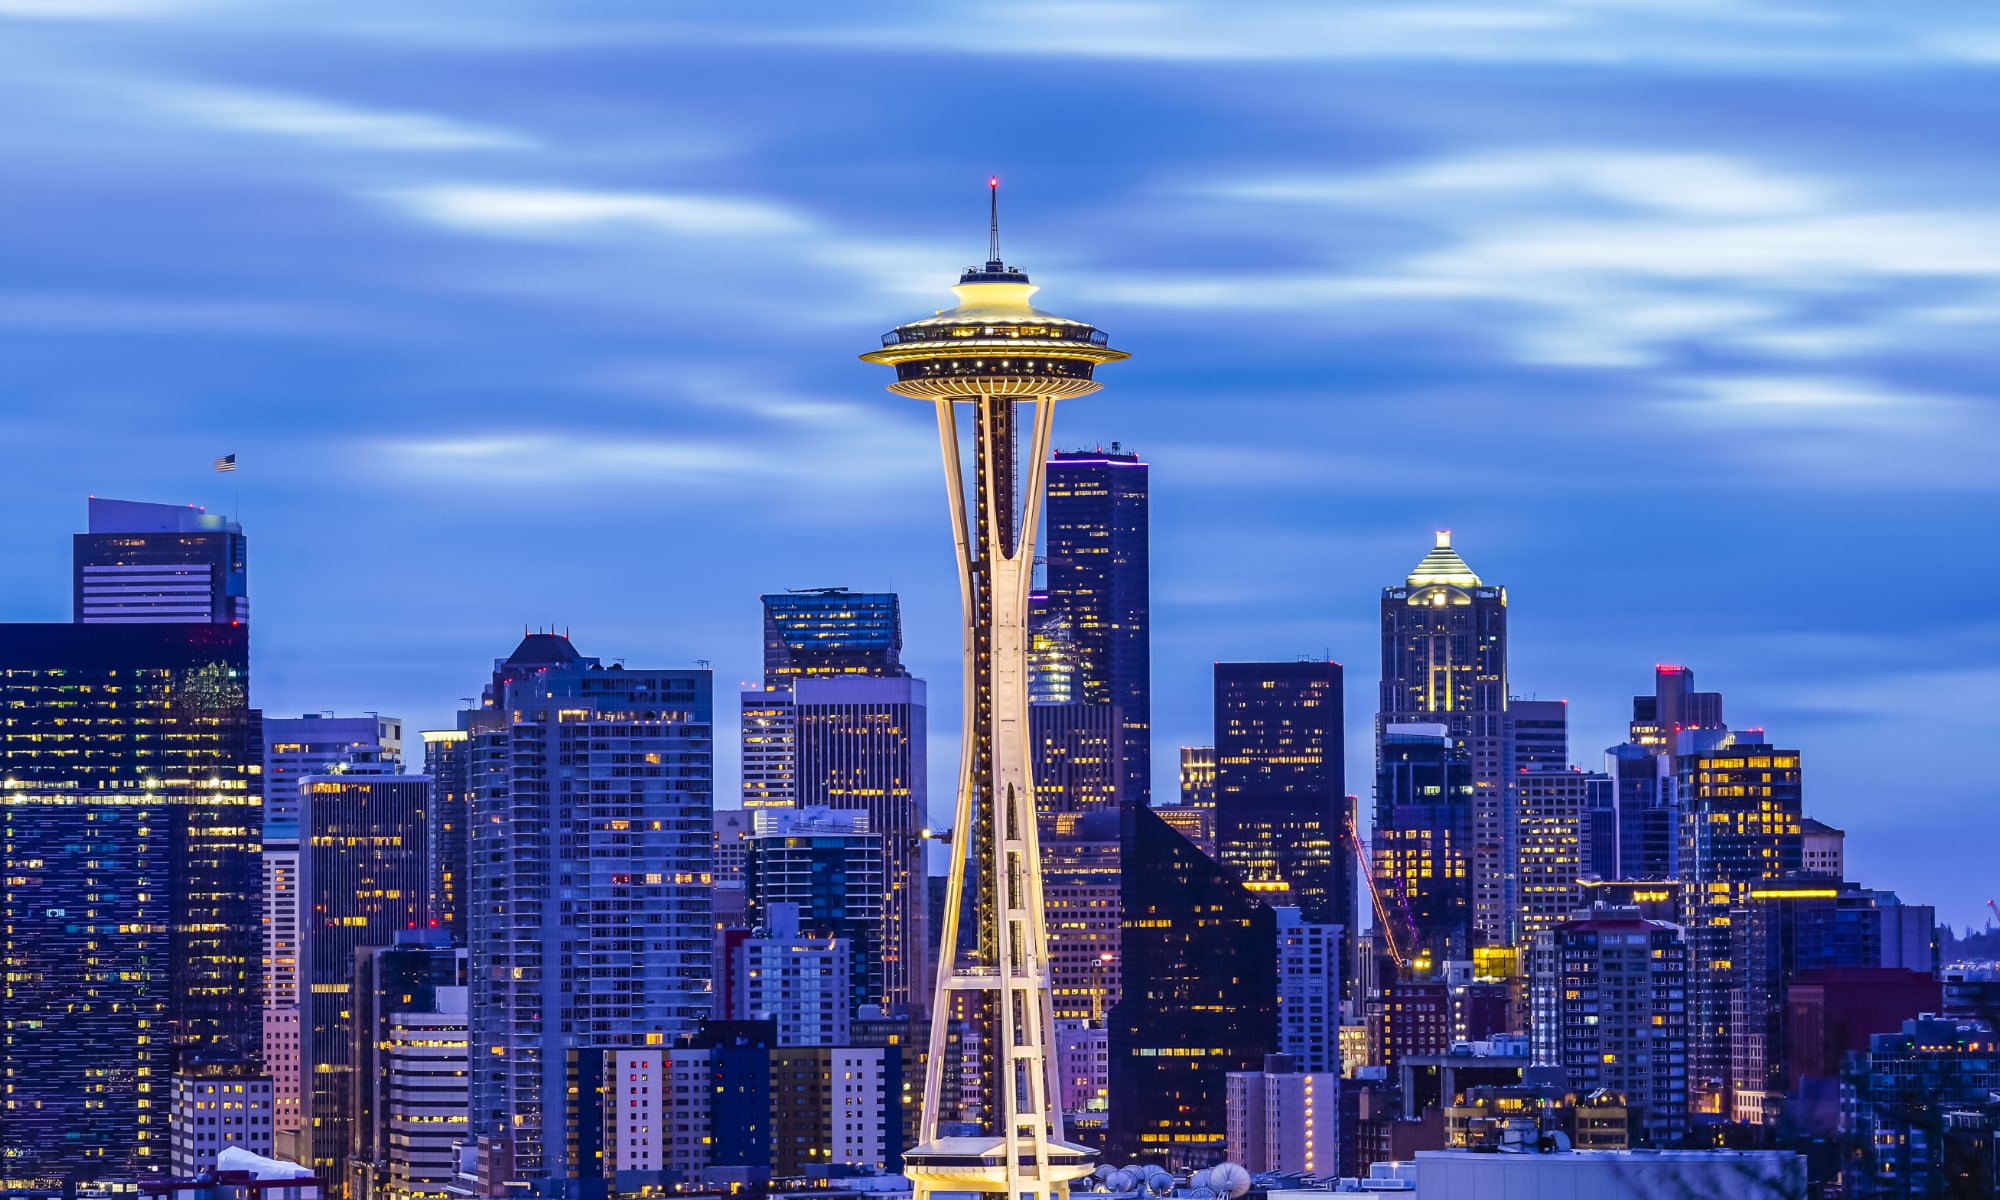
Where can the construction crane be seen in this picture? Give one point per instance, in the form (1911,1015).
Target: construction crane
(1374,893)
(1995,908)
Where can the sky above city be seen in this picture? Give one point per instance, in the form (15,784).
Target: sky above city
(1681,315)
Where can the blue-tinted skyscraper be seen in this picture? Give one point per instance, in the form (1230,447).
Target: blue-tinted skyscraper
(1423,843)
(831,631)
(160,564)
(1099,584)
(591,858)
(130,818)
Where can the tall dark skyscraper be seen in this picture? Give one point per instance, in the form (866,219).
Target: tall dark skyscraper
(1423,835)
(1099,580)
(450,833)
(160,563)
(1444,659)
(1199,996)
(831,631)
(1281,811)
(1674,707)
(132,813)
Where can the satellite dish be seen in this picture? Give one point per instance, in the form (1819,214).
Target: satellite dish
(1159,1182)
(1229,1179)
(1104,1170)
(1198,1182)
(1121,1181)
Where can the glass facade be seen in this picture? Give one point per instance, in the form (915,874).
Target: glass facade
(133,809)
(451,814)
(831,631)
(1423,841)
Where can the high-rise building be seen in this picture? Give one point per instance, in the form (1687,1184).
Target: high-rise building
(1539,731)
(1284,1119)
(1309,989)
(767,740)
(862,748)
(445,754)
(1423,854)
(590,918)
(1609,1006)
(1894,1098)
(1198,776)
(130,817)
(297,748)
(1673,708)
(1740,800)
(1281,814)
(406,1065)
(1647,811)
(803,982)
(1099,580)
(826,866)
(831,631)
(215,1109)
(994,354)
(1199,996)
(160,563)
(732,844)
(1444,660)
(363,881)
(1789,927)
(1076,749)
(1553,808)
(1083,907)
(1053,660)
(1822,849)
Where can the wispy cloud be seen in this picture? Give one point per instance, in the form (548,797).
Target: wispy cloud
(545,212)
(320,120)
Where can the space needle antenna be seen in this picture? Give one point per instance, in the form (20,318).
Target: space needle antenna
(993,242)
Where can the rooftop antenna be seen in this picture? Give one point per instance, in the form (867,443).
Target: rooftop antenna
(993,242)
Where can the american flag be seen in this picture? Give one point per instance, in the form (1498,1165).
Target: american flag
(226,463)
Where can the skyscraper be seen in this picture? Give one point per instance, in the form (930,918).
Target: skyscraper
(1280,785)
(831,631)
(827,866)
(1553,810)
(862,747)
(364,882)
(1099,583)
(451,832)
(1084,907)
(1422,855)
(1741,801)
(406,1066)
(1444,659)
(1648,814)
(1077,766)
(1539,730)
(160,563)
(132,805)
(1309,988)
(590,922)
(296,748)
(1674,707)
(1198,776)
(1199,996)
(993,354)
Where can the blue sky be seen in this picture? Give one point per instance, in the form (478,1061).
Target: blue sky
(1680,314)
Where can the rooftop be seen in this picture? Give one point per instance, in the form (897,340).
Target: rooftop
(1443,566)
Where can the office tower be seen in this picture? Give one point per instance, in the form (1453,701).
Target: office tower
(1281,815)
(1608,999)
(1674,707)
(1552,811)
(406,1064)
(1789,927)
(804,983)
(1284,1119)
(1408,1016)
(826,866)
(158,564)
(1599,851)
(591,923)
(363,881)
(1822,849)
(129,822)
(1424,797)
(1198,776)
(767,742)
(732,843)
(1197,825)
(862,748)
(994,353)
(1894,1101)
(1199,996)
(1099,580)
(214,1110)
(1085,1052)
(724,1136)
(1539,731)
(1444,660)
(445,755)
(1054,663)
(830,631)
(1309,989)
(835,1109)
(296,748)
(1083,907)
(1648,814)
(1739,829)
(1076,759)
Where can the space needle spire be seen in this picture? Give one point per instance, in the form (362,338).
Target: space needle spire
(1004,364)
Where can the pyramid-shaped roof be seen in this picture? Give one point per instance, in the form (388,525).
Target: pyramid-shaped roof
(1443,565)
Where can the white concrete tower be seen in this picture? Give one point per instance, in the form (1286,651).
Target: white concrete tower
(1008,363)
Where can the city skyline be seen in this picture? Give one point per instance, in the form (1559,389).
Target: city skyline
(1817,479)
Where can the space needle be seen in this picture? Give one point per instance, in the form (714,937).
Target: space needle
(1006,363)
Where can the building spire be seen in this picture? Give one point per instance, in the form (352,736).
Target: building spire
(993,240)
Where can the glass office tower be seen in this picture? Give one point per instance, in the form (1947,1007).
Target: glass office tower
(160,564)
(831,631)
